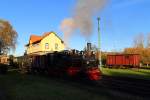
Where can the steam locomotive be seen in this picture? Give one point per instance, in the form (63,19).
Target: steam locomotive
(70,63)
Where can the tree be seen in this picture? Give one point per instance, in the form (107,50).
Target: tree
(139,48)
(8,37)
(103,57)
(148,41)
(139,41)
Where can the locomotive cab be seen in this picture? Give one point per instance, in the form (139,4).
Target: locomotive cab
(75,63)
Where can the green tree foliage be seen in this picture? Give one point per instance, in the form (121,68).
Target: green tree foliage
(8,37)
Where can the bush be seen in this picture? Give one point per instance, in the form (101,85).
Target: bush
(3,68)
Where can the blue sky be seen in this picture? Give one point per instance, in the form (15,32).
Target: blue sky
(121,20)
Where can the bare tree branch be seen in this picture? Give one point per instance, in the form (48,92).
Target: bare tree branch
(8,37)
(148,41)
(139,41)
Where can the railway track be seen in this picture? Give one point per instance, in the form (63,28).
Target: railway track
(128,85)
(111,85)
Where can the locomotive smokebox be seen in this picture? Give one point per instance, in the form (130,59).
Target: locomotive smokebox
(89,46)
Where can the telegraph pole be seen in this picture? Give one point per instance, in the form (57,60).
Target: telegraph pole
(99,42)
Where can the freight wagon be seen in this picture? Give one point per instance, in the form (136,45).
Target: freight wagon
(123,60)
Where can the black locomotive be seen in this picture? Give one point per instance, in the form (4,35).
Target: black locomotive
(72,63)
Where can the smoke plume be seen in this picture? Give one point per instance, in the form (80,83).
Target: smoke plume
(81,19)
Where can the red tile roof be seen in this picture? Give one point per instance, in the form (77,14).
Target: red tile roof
(46,34)
(36,39)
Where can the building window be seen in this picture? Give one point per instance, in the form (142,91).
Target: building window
(56,46)
(46,46)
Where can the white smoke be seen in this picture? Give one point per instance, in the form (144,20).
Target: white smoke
(81,19)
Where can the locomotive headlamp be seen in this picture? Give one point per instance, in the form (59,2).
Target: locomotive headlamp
(87,62)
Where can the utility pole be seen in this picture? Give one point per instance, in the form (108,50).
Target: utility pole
(99,42)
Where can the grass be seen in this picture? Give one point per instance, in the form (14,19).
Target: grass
(131,73)
(14,86)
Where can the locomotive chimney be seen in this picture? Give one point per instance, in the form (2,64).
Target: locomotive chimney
(73,51)
(89,46)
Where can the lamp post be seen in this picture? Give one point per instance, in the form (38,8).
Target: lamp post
(99,42)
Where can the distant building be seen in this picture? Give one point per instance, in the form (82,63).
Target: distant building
(48,42)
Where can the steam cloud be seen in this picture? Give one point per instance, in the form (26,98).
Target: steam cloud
(81,19)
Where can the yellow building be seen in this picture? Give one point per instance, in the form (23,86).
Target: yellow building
(48,42)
